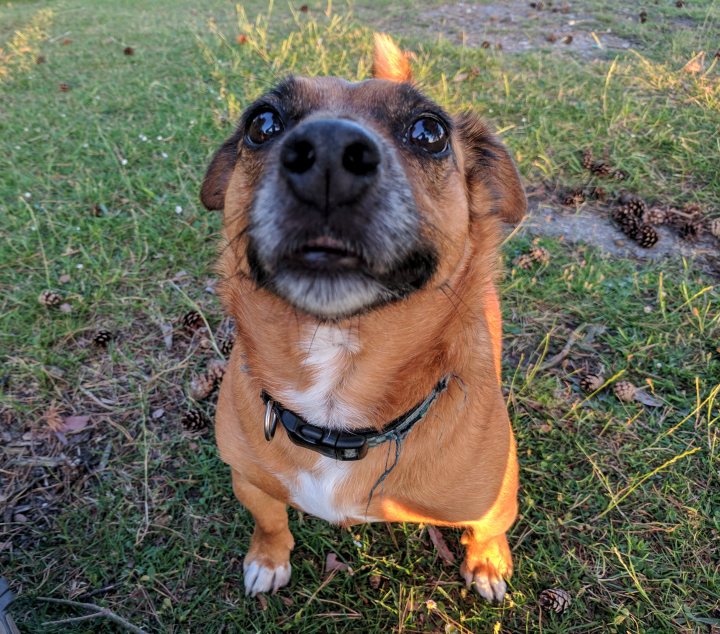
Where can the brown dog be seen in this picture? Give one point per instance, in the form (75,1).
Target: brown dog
(361,227)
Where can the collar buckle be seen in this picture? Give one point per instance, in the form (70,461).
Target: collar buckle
(270,420)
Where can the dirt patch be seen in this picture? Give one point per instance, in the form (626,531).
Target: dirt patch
(590,226)
(514,26)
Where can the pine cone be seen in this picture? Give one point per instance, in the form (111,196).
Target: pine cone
(540,255)
(555,599)
(573,197)
(625,391)
(201,387)
(587,159)
(192,321)
(195,420)
(51,299)
(714,227)
(591,382)
(524,261)
(216,370)
(227,345)
(620,175)
(626,220)
(643,16)
(691,229)
(654,216)
(633,204)
(646,236)
(102,338)
(602,169)
(598,193)
(693,209)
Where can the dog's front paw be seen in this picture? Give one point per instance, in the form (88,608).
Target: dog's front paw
(487,565)
(265,576)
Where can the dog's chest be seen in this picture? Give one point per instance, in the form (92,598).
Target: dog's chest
(328,353)
(317,492)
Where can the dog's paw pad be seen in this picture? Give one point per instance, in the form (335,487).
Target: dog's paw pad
(260,578)
(487,583)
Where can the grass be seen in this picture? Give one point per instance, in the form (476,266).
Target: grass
(620,503)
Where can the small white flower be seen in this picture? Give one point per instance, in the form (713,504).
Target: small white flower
(524,120)
(86,146)
(79,266)
(164,155)
(17,147)
(178,209)
(33,228)
(143,137)
(159,137)
(77,228)
(123,162)
(27,195)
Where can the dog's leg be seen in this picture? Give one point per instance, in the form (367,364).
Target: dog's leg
(488,563)
(267,563)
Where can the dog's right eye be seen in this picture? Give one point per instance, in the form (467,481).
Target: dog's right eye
(263,127)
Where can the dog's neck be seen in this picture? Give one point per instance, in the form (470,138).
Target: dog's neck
(364,371)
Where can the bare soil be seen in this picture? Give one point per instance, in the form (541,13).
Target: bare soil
(514,26)
(591,226)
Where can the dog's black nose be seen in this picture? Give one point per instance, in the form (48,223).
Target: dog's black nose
(329,162)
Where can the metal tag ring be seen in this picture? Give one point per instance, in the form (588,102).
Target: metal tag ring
(270,421)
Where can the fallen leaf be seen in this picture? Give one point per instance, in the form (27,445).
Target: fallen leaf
(696,64)
(460,77)
(65,308)
(210,285)
(167,331)
(158,413)
(332,563)
(64,279)
(647,399)
(441,546)
(75,423)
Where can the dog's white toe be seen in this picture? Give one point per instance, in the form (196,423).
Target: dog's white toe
(259,578)
(489,587)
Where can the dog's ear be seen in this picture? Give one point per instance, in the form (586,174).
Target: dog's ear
(487,162)
(389,62)
(212,192)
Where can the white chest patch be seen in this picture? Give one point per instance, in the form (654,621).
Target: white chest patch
(315,492)
(329,352)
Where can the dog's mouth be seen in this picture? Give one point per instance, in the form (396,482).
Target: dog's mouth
(327,254)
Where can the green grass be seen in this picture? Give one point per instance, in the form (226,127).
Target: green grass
(620,503)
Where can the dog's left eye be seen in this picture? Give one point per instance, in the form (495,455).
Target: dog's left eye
(263,126)
(429,134)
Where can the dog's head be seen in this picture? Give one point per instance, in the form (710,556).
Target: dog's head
(339,197)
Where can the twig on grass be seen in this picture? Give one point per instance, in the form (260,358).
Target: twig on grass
(574,336)
(98,612)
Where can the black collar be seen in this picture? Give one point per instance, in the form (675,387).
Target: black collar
(344,445)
